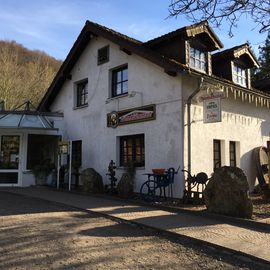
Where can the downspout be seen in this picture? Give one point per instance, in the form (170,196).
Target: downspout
(189,122)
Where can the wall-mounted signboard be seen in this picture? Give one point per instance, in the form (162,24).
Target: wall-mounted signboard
(63,147)
(130,116)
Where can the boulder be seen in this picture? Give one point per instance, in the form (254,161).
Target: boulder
(92,181)
(125,186)
(227,193)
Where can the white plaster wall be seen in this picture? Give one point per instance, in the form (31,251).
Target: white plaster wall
(163,136)
(242,122)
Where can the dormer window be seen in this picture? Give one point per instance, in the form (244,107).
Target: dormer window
(239,75)
(197,59)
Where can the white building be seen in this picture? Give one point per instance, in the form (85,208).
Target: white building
(148,87)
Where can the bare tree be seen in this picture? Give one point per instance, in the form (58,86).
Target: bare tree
(24,74)
(216,11)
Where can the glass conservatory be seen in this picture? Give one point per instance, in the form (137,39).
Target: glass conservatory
(27,138)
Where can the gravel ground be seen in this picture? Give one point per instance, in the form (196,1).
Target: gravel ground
(35,234)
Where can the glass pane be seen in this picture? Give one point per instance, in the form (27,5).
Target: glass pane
(119,77)
(129,143)
(192,62)
(197,64)
(125,74)
(9,178)
(138,151)
(197,54)
(41,149)
(129,151)
(202,57)
(125,87)
(9,155)
(118,89)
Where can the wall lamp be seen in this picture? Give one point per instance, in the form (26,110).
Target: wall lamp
(134,93)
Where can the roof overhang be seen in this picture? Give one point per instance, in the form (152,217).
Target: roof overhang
(242,53)
(246,53)
(204,31)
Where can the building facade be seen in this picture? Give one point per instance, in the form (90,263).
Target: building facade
(125,100)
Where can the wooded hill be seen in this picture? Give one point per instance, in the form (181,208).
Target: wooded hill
(24,74)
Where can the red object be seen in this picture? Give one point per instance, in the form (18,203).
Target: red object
(158,171)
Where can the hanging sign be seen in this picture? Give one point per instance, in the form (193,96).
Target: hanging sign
(211,110)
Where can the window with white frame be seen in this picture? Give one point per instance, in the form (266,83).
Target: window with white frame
(239,75)
(197,59)
(81,93)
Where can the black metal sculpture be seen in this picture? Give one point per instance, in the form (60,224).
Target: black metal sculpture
(111,188)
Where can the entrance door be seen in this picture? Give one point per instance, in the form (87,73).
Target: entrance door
(9,159)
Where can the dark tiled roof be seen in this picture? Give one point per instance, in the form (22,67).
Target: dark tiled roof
(113,32)
(129,44)
(90,30)
(184,33)
(230,53)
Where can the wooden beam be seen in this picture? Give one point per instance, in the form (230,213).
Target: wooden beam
(125,51)
(171,72)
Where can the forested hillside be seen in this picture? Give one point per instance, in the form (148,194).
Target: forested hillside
(24,74)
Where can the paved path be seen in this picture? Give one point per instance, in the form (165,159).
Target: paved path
(250,241)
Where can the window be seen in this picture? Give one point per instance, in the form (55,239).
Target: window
(120,81)
(197,59)
(232,154)
(40,149)
(239,75)
(103,55)
(132,149)
(217,154)
(81,93)
(76,154)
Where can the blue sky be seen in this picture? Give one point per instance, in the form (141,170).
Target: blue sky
(53,25)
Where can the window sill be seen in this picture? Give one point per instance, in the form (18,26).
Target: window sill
(80,107)
(199,70)
(116,97)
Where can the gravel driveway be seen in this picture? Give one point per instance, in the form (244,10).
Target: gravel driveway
(36,234)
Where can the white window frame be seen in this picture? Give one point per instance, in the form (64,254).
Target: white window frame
(197,59)
(239,75)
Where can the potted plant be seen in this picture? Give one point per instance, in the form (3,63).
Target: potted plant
(42,171)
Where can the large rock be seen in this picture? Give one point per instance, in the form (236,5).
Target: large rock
(92,181)
(227,193)
(125,186)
